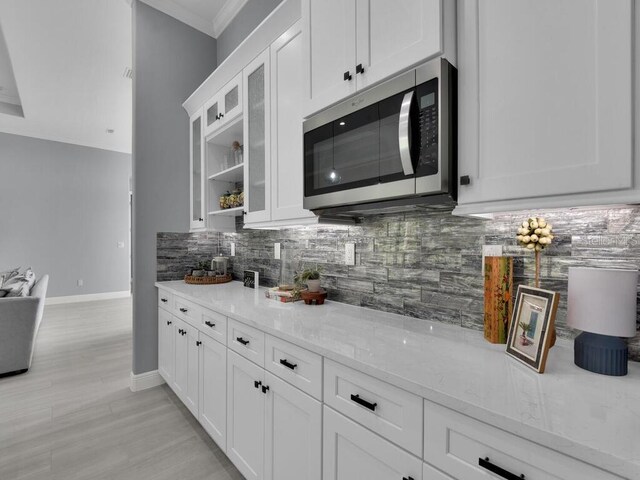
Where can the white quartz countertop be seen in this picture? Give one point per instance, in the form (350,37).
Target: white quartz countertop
(591,417)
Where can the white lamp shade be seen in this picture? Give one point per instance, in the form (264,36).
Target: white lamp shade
(603,301)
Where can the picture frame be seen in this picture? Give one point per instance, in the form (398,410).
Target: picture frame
(532,325)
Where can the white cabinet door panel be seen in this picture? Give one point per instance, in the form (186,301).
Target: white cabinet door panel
(245,416)
(331,26)
(213,389)
(392,36)
(191,394)
(293,443)
(180,360)
(165,346)
(546,98)
(352,452)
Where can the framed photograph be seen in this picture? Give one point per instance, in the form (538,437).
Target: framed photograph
(531,326)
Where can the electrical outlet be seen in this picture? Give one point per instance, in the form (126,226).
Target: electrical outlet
(349,253)
(233,249)
(276,251)
(490,251)
(80,282)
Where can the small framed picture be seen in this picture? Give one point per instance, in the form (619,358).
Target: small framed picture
(531,326)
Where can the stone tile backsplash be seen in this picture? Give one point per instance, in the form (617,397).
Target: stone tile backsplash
(425,264)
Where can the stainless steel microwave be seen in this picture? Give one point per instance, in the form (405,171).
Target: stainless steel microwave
(384,149)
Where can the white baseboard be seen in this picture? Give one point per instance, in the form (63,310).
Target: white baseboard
(87,298)
(145,380)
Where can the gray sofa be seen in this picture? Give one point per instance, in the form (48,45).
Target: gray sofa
(20,319)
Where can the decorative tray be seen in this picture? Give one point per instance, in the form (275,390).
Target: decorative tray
(207,280)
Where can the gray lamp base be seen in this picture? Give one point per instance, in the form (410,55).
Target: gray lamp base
(601,354)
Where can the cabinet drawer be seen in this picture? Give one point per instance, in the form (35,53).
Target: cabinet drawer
(246,340)
(214,324)
(299,367)
(165,300)
(393,413)
(353,452)
(186,310)
(460,446)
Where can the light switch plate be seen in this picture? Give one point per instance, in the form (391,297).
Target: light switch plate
(276,251)
(349,253)
(490,251)
(233,249)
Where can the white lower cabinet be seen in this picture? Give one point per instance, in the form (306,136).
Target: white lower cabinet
(245,416)
(352,452)
(186,378)
(213,389)
(166,360)
(293,429)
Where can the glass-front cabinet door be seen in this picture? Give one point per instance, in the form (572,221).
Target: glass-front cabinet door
(257,140)
(231,99)
(196,178)
(212,119)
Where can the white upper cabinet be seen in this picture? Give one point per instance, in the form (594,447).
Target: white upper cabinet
(286,126)
(257,152)
(392,36)
(224,107)
(352,44)
(330,40)
(196,177)
(546,101)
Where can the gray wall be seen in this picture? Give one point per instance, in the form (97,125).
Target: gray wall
(249,17)
(422,264)
(64,209)
(170,59)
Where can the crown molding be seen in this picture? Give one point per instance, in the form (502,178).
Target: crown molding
(182,14)
(226,14)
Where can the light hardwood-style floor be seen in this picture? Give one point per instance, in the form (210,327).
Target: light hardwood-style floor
(72,416)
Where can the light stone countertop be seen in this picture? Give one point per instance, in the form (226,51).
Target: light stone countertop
(591,417)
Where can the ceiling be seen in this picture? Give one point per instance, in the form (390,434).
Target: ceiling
(68,59)
(208,16)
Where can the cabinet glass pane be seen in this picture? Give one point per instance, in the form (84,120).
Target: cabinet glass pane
(231,99)
(196,173)
(255,90)
(212,113)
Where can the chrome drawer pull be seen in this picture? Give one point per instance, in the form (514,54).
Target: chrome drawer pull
(364,403)
(487,465)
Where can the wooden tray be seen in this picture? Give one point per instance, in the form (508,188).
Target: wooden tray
(207,280)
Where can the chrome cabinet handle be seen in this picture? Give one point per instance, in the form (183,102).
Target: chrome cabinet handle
(404,126)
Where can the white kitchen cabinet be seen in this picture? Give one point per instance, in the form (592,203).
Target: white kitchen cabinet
(546,102)
(186,378)
(287,90)
(224,107)
(352,452)
(213,389)
(245,416)
(257,139)
(166,337)
(293,433)
(196,177)
(353,44)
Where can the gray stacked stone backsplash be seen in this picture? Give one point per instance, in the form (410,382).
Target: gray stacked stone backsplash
(425,264)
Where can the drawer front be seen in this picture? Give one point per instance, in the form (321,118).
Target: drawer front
(387,410)
(186,310)
(246,340)
(165,300)
(353,452)
(468,449)
(300,367)
(214,324)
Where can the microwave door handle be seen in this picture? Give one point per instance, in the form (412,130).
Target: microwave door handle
(403,134)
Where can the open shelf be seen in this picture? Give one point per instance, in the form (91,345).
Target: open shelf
(233,174)
(227,134)
(228,212)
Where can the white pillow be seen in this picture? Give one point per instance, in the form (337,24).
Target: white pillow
(20,285)
(4,276)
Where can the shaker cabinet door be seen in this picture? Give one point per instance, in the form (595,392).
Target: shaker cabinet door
(545,98)
(213,389)
(165,346)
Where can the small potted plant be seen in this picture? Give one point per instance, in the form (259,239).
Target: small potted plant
(310,276)
(526,327)
(200,270)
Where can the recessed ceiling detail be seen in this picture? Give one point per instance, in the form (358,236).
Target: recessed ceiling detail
(68,59)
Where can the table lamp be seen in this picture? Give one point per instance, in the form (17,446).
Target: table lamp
(602,303)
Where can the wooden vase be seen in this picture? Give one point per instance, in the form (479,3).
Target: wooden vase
(498,294)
